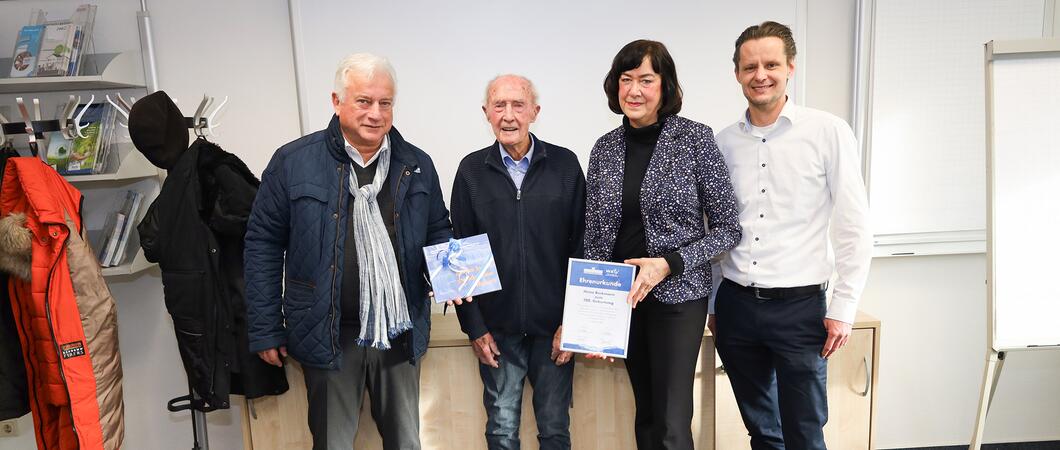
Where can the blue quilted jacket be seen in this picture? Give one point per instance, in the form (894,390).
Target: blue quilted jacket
(295,240)
(686,180)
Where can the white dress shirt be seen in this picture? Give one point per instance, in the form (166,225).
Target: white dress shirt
(793,180)
(356,155)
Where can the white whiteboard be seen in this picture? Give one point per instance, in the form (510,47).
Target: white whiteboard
(925,132)
(445,53)
(1025,212)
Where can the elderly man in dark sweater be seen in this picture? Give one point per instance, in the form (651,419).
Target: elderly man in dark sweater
(529,197)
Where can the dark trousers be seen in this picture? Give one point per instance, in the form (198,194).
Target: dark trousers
(526,357)
(772,355)
(393,387)
(664,342)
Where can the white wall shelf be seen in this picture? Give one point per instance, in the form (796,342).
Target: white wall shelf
(103,71)
(127,167)
(138,263)
(131,165)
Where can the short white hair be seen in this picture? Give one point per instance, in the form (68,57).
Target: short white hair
(529,84)
(364,64)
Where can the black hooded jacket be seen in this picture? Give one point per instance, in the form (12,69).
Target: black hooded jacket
(194,231)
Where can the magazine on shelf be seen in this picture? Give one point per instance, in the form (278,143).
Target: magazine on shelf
(82,155)
(55,50)
(84,18)
(130,209)
(58,153)
(74,42)
(27,49)
(111,234)
(103,157)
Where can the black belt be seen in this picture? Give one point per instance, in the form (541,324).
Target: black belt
(777,293)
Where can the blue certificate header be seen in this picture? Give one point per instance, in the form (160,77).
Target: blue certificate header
(601,275)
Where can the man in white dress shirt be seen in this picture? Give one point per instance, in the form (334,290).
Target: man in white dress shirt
(804,213)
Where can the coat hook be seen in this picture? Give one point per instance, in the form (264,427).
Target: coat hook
(77,122)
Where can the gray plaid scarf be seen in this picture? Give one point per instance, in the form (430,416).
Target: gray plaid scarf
(384,313)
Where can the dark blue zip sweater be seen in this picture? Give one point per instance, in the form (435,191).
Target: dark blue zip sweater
(532,231)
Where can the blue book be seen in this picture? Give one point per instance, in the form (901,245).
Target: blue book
(27,49)
(462,268)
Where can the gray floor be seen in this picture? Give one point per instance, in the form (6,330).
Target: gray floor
(1051,445)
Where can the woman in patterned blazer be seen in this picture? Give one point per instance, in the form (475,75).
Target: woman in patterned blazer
(650,184)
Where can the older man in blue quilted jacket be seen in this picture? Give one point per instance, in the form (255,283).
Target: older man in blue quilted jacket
(334,261)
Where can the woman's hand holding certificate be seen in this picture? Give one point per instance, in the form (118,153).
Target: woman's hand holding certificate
(652,272)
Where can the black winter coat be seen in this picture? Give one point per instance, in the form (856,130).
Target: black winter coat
(194,230)
(14,401)
(14,394)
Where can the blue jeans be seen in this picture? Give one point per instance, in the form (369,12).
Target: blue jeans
(526,357)
(772,355)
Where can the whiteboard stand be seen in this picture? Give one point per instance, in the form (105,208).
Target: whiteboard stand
(1021,302)
(994,361)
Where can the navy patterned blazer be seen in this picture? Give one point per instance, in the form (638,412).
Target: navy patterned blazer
(686,179)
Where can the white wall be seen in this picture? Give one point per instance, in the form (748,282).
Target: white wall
(932,308)
(445,53)
(826,59)
(241,49)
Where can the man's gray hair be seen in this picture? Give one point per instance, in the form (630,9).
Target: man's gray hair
(364,64)
(489,86)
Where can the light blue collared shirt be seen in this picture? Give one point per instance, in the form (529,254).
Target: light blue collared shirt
(517,169)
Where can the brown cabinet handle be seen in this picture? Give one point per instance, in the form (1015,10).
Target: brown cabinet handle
(868,378)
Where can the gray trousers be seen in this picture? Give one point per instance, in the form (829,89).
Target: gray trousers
(393,386)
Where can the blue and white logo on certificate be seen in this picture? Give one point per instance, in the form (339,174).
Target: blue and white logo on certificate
(595,313)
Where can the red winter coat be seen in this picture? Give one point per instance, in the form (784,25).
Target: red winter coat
(66,317)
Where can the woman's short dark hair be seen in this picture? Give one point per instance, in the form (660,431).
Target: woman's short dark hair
(629,58)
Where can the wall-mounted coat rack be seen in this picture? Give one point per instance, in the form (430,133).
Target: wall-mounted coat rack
(203,123)
(34,127)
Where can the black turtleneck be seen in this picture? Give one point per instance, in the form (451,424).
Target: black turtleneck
(630,241)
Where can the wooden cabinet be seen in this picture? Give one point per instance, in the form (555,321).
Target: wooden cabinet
(850,392)
(452,416)
(451,411)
